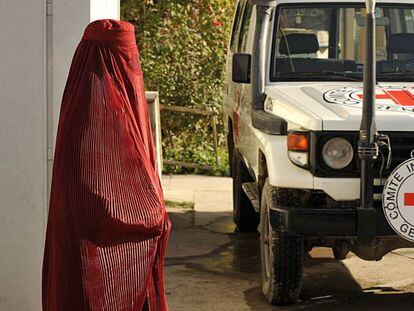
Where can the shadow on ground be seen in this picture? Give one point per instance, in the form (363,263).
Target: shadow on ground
(209,266)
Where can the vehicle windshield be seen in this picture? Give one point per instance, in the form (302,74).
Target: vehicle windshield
(325,43)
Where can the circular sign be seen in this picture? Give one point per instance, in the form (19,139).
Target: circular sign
(398,200)
(388,98)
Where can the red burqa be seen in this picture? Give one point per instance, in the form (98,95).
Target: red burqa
(107,228)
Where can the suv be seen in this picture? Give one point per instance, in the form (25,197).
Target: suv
(293,106)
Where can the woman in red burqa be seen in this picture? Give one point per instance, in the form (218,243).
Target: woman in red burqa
(107,228)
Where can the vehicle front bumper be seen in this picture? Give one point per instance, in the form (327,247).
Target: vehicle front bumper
(324,222)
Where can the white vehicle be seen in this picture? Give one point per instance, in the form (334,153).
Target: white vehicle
(306,173)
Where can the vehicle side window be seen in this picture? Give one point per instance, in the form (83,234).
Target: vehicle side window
(236,26)
(244,31)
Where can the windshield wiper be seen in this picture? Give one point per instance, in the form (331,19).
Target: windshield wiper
(342,76)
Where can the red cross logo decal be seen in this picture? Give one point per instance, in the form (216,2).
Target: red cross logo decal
(399,97)
(409,199)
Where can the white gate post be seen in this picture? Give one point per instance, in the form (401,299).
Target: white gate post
(154,111)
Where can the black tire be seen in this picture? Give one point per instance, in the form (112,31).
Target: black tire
(230,145)
(281,255)
(244,215)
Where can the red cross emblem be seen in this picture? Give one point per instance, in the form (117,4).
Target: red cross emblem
(399,97)
(409,199)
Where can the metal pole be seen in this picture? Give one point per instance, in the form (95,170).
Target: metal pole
(368,147)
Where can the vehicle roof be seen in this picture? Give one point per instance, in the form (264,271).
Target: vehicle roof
(347,1)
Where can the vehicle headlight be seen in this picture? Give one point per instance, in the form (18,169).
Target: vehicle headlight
(338,153)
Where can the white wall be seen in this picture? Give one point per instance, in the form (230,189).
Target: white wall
(24,120)
(22,152)
(104,9)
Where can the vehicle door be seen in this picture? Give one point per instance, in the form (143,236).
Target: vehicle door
(230,96)
(245,141)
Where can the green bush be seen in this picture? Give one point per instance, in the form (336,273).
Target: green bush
(183,46)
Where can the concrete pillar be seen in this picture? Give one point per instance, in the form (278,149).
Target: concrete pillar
(22,152)
(33,40)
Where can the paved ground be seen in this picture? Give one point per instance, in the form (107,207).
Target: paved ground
(210,267)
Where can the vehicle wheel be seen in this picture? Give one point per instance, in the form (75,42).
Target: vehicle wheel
(230,146)
(281,255)
(244,215)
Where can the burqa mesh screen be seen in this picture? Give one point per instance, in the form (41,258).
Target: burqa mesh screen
(107,227)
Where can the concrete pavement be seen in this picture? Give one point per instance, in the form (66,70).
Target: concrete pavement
(210,267)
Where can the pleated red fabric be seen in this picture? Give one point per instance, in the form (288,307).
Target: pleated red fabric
(107,228)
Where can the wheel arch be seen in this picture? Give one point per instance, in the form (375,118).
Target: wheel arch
(273,162)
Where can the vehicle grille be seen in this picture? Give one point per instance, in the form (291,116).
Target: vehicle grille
(402,144)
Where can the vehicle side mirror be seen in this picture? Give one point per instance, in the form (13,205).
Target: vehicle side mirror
(242,67)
